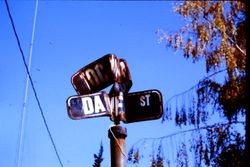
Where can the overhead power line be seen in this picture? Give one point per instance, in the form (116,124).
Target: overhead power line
(32,83)
(23,117)
(195,86)
(191,130)
(159,141)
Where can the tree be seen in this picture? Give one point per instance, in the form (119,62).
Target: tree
(98,158)
(216,33)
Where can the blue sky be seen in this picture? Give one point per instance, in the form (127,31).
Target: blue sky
(68,36)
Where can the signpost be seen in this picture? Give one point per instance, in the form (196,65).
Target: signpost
(88,106)
(119,105)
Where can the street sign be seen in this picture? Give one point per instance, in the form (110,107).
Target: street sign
(143,106)
(88,106)
(96,75)
(125,82)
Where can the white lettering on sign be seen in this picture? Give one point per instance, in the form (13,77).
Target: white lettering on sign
(99,107)
(114,103)
(91,76)
(87,105)
(90,106)
(144,100)
(95,76)
(99,68)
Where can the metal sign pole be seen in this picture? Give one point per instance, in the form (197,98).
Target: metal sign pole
(117,135)
(119,104)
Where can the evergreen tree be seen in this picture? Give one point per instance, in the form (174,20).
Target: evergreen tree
(98,158)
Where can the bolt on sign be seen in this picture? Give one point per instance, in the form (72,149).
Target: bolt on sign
(88,106)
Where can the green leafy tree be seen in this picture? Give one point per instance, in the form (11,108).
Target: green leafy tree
(215,32)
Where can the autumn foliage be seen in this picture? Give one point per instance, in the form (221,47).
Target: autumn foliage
(216,33)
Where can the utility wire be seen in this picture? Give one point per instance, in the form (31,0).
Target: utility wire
(24,111)
(120,147)
(194,86)
(189,130)
(32,83)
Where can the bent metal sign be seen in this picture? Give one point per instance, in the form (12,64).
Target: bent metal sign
(100,74)
(105,71)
